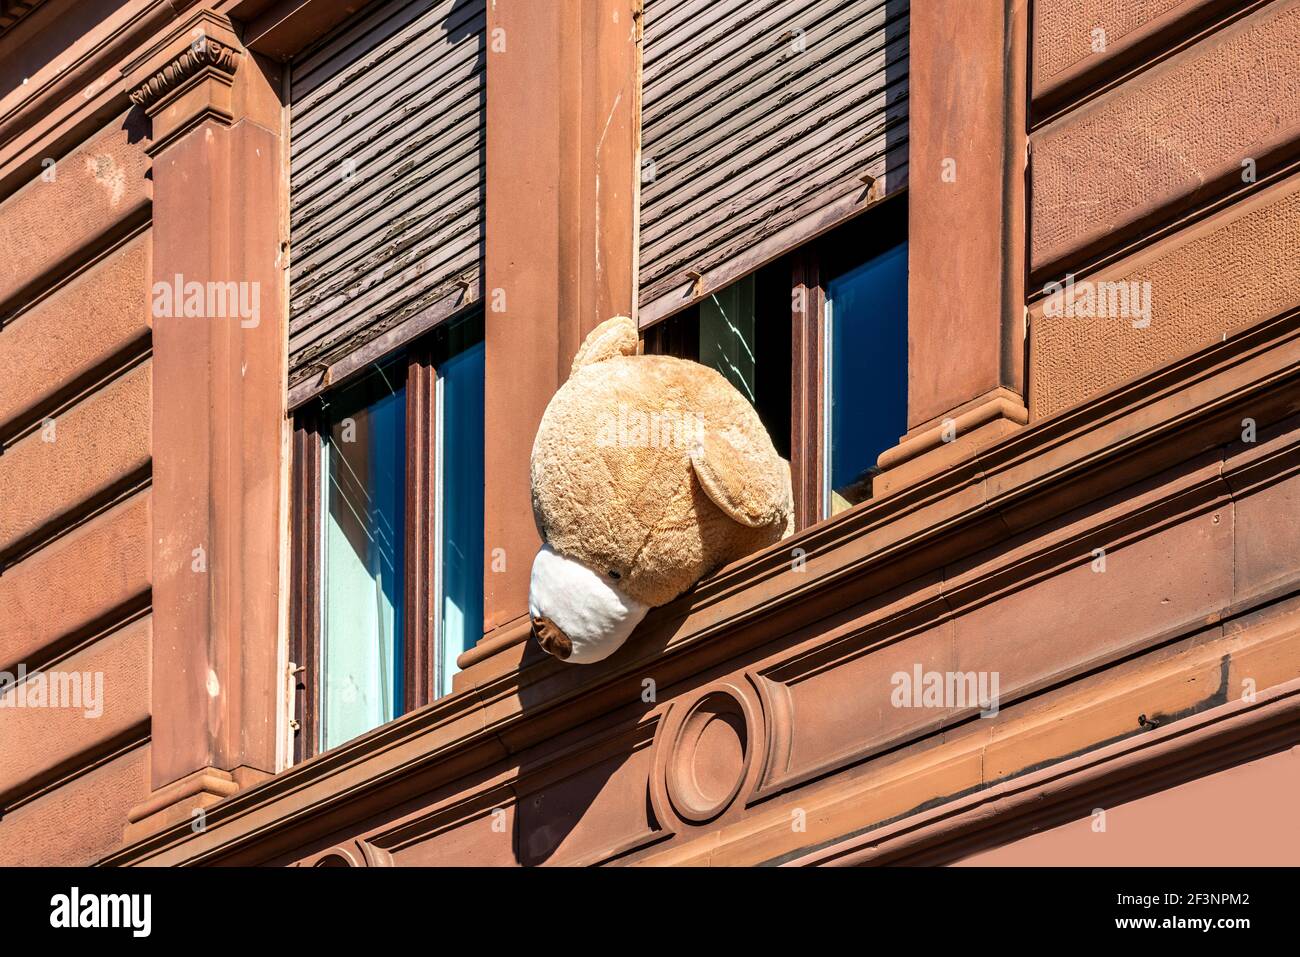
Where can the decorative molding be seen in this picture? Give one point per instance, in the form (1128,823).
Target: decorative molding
(186,77)
(356,853)
(505,636)
(203,57)
(334,857)
(64,107)
(1215,739)
(707,751)
(430,822)
(374,856)
(178,801)
(957,436)
(998,404)
(925,627)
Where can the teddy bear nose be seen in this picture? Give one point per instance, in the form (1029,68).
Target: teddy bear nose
(553,641)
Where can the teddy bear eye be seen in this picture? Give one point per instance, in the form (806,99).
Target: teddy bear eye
(614,575)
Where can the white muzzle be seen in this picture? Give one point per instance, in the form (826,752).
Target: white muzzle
(578,615)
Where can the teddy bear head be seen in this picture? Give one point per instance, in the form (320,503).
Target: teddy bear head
(648,472)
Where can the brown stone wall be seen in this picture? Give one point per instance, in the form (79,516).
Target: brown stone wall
(1163,155)
(1252,805)
(75,410)
(752,720)
(1207,282)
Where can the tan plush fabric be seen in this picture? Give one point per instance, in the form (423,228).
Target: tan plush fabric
(654,468)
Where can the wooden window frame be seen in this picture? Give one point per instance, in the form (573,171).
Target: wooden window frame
(810,268)
(304,585)
(420,375)
(807,385)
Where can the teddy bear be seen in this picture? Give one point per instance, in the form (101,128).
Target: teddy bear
(648,472)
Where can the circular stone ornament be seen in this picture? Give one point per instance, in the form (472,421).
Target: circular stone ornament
(709,755)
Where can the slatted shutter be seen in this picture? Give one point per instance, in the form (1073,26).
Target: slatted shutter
(386,183)
(764,123)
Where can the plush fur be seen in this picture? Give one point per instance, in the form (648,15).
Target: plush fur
(651,472)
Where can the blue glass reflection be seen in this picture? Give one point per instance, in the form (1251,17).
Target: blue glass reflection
(363,567)
(867,385)
(460,458)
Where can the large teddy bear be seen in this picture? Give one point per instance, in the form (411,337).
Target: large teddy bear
(648,472)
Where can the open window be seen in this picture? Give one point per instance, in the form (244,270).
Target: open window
(388,536)
(817,341)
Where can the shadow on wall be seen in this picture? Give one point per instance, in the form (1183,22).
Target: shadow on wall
(552,819)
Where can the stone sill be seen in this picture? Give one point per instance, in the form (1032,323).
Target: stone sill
(1205,743)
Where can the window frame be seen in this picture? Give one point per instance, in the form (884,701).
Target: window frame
(810,267)
(835,263)
(417,364)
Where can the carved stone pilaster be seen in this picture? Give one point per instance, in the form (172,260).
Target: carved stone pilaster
(187,76)
(217,411)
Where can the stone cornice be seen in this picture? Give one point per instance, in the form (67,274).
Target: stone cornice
(187,76)
(1034,475)
(203,54)
(61,107)
(11,11)
(1237,731)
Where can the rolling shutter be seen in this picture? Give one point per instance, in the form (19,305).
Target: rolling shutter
(764,123)
(386,183)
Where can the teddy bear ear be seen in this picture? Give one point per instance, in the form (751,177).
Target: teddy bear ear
(613,337)
(748,482)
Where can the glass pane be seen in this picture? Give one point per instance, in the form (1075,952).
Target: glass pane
(742,331)
(727,335)
(866,373)
(460,460)
(363,563)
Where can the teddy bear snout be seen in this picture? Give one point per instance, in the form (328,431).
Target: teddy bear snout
(551,638)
